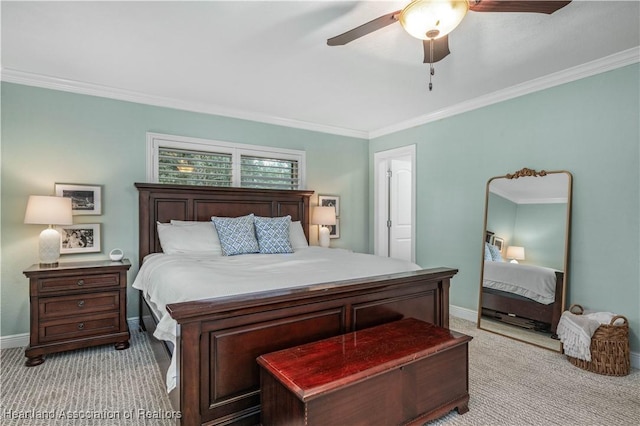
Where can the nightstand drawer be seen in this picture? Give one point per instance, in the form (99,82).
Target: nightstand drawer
(80,326)
(55,307)
(80,282)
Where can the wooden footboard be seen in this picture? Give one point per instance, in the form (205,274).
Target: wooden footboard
(507,303)
(219,340)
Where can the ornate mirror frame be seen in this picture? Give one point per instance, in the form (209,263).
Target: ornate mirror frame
(517,316)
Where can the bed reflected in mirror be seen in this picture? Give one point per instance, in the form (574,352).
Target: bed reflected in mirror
(526,244)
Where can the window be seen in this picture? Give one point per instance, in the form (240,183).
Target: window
(190,161)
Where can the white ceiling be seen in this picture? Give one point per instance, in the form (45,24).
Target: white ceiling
(551,188)
(268,61)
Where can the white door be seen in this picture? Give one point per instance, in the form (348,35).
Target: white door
(394,194)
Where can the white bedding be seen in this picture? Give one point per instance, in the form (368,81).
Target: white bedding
(166,279)
(534,282)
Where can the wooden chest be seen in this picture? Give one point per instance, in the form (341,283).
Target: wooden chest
(404,372)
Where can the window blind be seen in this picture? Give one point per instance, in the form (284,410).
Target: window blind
(192,161)
(271,173)
(187,167)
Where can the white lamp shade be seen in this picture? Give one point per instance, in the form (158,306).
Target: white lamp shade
(515,252)
(324,216)
(48,210)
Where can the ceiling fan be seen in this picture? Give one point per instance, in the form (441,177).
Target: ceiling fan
(432,21)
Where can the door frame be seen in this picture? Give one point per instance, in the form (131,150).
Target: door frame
(380,206)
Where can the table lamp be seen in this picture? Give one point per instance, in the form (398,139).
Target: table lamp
(49,210)
(323,216)
(515,253)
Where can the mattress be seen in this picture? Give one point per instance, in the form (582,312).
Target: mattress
(165,279)
(533,282)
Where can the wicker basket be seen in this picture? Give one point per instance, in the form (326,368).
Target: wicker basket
(609,348)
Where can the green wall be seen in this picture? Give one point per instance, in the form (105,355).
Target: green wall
(590,128)
(539,228)
(501,217)
(51,136)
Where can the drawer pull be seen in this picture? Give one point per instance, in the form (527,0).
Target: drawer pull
(80,303)
(80,326)
(80,283)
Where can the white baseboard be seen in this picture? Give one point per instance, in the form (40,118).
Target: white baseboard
(22,340)
(471,315)
(134,323)
(464,313)
(14,341)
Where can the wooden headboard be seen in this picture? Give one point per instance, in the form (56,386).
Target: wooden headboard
(162,203)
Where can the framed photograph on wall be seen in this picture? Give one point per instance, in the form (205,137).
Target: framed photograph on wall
(488,237)
(334,230)
(330,201)
(85,199)
(79,238)
(498,242)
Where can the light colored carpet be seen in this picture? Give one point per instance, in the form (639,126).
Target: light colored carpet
(93,386)
(510,383)
(513,383)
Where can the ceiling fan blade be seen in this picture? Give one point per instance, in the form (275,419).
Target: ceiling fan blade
(440,49)
(532,6)
(364,29)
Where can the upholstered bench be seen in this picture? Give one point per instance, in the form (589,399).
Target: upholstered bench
(404,372)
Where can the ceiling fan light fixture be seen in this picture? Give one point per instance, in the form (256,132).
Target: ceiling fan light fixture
(432,19)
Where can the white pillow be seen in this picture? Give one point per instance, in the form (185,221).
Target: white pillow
(296,236)
(189,237)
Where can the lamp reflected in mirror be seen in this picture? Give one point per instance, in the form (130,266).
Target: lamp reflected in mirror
(523,297)
(515,253)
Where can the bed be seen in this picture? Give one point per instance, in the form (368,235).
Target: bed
(218,339)
(526,295)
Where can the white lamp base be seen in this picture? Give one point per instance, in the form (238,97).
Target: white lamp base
(323,236)
(49,251)
(513,261)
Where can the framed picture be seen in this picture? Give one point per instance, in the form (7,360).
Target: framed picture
(80,238)
(334,230)
(488,237)
(330,201)
(498,242)
(85,199)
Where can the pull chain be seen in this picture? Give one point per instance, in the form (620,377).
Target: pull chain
(431,35)
(431,73)
(431,69)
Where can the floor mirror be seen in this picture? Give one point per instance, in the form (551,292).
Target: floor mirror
(525,254)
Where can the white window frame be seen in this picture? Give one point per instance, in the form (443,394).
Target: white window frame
(157,140)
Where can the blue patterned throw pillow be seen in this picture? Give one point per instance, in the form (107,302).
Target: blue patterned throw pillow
(237,235)
(495,253)
(273,234)
(487,253)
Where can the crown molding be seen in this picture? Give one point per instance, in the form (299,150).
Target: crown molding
(47,82)
(608,63)
(598,66)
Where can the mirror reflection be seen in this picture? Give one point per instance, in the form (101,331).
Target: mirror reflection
(526,242)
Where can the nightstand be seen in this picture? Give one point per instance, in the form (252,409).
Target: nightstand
(76,305)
